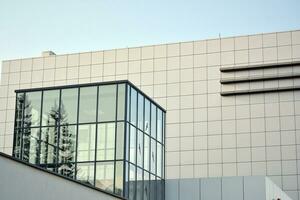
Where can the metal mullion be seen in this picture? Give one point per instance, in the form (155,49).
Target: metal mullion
(77,131)
(92,84)
(96,136)
(125,139)
(116,124)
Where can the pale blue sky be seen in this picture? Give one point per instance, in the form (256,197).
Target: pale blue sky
(29,27)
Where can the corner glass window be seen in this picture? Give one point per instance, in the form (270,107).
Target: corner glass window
(121,101)
(146,186)
(132,155)
(32,109)
(146,152)
(49,147)
(159,125)
(106,141)
(147,117)
(69,100)
(153,120)
(86,142)
(85,173)
(133,106)
(140,111)
(20,100)
(87,104)
(120,141)
(119,178)
(67,144)
(51,114)
(31,145)
(153,156)
(140,148)
(107,103)
(105,176)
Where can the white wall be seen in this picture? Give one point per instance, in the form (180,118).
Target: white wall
(208,135)
(225,188)
(19,181)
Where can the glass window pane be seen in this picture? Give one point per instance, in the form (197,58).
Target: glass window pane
(128,103)
(106,141)
(147,117)
(160,193)
(86,142)
(50,109)
(17,143)
(159,125)
(67,150)
(127,141)
(126,188)
(87,107)
(153,120)
(132,144)
(152,188)
(140,148)
(119,178)
(159,159)
(85,173)
(121,101)
(120,141)
(107,103)
(67,144)
(31,145)
(139,184)
(153,156)
(67,169)
(132,182)
(146,152)
(32,109)
(69,101)
(146,186)
(49,147)
(19,110)
(105,176)
(133,105)
(140,111)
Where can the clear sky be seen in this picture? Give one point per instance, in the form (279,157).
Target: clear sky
(28,27)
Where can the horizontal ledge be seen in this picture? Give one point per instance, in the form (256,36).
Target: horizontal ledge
(240,92)
(258,66)
(258,78)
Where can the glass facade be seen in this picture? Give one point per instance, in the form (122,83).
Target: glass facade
(107,135)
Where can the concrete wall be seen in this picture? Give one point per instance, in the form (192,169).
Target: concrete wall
(19,181)
(225,188)
(208,135)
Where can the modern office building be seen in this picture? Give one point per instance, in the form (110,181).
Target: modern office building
(108,135)
(232,111)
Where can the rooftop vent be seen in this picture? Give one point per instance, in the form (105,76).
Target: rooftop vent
(48,53)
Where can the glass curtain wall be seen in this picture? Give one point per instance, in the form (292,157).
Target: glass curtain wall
(109,136)
(145,129)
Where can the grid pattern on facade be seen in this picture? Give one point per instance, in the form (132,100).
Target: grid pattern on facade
(91,134)
(184,78)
